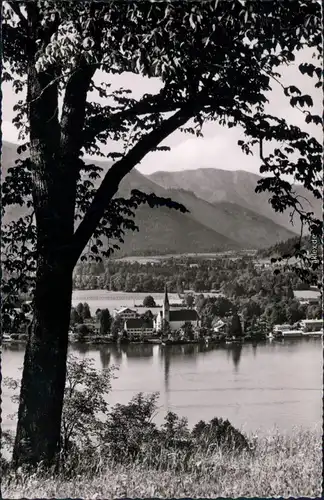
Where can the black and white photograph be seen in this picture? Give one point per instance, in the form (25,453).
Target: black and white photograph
(161,249)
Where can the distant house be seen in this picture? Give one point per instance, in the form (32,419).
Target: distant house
(139,326)
(175,318)
(307,297)
(219,326)
(124,313)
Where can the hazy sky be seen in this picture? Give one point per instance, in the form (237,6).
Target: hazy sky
(217,149)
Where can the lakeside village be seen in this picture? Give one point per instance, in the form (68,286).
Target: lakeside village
(176,324)
(234,297)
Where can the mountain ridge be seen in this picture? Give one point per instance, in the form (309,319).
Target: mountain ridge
(238,186)
(208,227)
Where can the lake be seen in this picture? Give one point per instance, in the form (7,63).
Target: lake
(101,299)
(255,387)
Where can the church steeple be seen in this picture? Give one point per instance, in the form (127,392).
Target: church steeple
(166,298)
(166,305)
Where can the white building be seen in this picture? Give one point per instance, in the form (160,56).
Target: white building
(124,313)
(308,296)
(219,326)
(311,325)
(176,318)
(139,326)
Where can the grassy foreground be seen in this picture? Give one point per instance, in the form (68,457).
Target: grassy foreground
(279,466)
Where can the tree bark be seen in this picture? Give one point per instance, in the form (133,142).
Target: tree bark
(43,380)
(54,163)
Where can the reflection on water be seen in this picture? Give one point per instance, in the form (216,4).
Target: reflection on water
(256,385)
(236,354)
(104,357)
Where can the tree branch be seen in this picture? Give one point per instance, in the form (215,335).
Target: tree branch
(15,7)
(74,104)
(150,105)
(117,172)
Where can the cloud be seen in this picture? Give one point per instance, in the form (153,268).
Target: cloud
(218,148)
(9,132)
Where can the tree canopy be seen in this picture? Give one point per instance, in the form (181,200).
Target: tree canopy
(221,73)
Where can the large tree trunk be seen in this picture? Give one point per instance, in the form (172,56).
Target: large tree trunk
(44,373)
(43,380)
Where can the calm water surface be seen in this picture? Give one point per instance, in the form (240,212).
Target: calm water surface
(100,299)
(255,387)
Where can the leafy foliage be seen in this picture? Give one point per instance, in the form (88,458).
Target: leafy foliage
(149,301)
(220,74)
(84,401)
(84,404)
(105,322)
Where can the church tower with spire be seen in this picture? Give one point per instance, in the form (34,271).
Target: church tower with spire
(166,305)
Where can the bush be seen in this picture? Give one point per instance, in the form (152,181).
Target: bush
(218,432)
(85,389)
(149,301)
(81,332)
(130,426)
(93,434)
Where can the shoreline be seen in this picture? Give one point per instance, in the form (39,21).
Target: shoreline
(170,343)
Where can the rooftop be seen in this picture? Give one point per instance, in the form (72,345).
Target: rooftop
(312,321)
(124,309)
(184,315)
(139,323)
(307,294)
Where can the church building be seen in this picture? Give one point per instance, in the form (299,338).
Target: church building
(176,318)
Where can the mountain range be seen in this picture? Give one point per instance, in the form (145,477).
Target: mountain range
(235,187)
(225,212)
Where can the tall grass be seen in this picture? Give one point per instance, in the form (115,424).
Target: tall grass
(279,465)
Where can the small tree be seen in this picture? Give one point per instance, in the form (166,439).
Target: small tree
(79,309)
(235,326)
(314,312)
(75,317)
(166,329)
(148,315)
(129,426)
(86,314)
(82,331)
(189,301)
(116,327)
(105,322)
(290,292)
(218,432)
(83,406)
(188,330)
(84,399)
(149,301)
